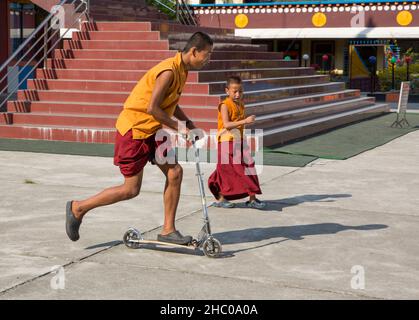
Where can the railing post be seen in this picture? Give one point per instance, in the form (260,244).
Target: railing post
(45,45)
(87,9)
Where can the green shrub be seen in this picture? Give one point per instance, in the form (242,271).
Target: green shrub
(400,72)
(168,3)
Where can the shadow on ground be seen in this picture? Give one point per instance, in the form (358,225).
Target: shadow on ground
(278,205)
(281,233)
(105,244)
(284,233)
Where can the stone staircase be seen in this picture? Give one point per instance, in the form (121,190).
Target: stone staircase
(125,10)
(80,92)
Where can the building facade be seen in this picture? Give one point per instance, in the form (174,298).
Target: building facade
(336,35)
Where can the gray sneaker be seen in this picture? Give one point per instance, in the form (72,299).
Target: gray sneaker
(223,204)
(72,224)
(175,237)
(256,204)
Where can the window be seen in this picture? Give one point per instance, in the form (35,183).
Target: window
(22,23)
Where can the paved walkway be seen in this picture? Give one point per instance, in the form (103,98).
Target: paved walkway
(332,230)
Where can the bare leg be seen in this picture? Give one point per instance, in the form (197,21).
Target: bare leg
(174,175)
(128,190)
(252,197)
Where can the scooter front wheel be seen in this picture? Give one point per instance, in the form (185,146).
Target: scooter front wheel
(212,247)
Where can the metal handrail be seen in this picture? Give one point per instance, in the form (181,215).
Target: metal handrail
(185,9)
(46,39)
(23,45)
(183,14)
(162,4)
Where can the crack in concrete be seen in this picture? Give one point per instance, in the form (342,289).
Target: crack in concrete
(280,176)
(3,292)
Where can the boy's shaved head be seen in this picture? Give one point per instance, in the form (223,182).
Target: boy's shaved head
(233,79)
(234,89)
(199,40)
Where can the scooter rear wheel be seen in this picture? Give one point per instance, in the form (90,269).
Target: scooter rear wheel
(212,247)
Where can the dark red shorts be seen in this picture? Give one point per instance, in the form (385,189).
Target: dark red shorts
(131,155)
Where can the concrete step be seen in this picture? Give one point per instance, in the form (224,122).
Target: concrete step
(107,135)
(193,76)
(186,99)
(62,119)
(101,64)
(123,75)
(102,85)
(58,133)
(246,74)
(115,26)
(210,112)
(201,112)
(243,55)
(217,38)
(291,132)
(84,120)
(283,118)
(158,54)
(114,54)
(6,118)
(197,88)
(267,95)
(116,35)
(56,107)
(249,64)
(113,64)
(271,83)
(117,44)
(138,16)
(85,108)
(294,103)
(179,45)
(105,97)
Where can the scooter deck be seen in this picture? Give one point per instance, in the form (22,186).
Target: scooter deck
(167,244)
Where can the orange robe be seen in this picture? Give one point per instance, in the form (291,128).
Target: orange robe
(134,115)
(234,159)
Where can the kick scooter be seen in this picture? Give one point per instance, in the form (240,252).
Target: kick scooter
(210,246)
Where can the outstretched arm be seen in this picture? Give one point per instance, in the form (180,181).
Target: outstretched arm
(161,87)
(233,124)
(180,115)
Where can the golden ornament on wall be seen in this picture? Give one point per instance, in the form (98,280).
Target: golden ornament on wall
(241,20)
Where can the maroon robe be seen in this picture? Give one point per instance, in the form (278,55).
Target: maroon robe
(230,178)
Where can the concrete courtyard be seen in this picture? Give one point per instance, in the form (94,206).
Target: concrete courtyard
(332,230)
